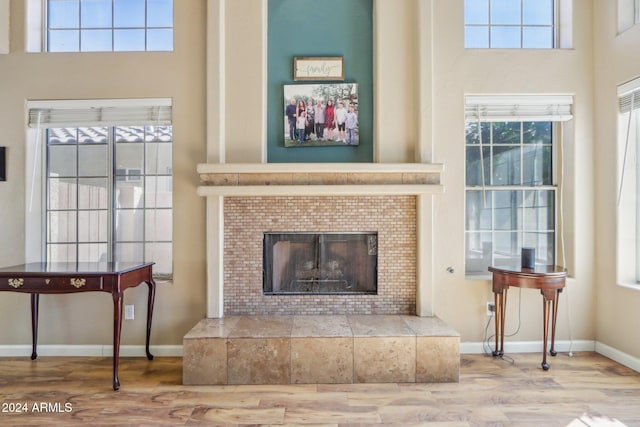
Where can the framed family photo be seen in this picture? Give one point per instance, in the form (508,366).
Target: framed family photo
(321,114)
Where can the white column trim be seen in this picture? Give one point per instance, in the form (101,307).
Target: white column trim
(265,80)
(424,148)
(216,79)
(4,26)
(424,256)
(215,257)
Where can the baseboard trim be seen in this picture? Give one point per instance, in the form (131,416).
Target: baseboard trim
(618,356)
(176,350)
(527,346)
(90,350)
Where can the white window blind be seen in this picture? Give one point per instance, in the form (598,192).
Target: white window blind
(628,205)
(510,108)
(122,112)
(629,96)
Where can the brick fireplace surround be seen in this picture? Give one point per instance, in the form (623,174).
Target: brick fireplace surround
(247,218)
(245,200)
(251,338)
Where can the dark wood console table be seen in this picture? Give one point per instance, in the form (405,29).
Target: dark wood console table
(63,278)
(549,279)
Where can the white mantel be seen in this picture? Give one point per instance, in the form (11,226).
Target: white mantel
(290,179)
(220,180)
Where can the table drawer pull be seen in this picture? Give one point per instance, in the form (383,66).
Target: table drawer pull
(78,283)
(16,283)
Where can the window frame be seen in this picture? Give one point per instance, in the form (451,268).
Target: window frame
(563,27)
(38,175)
(628,14)
(531,107)
(628,187)
(488,189)
(37,30)
(521,26)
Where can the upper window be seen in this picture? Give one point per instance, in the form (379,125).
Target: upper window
(628,14)
(509,23)
(108,25)
(628,203)
(511,191)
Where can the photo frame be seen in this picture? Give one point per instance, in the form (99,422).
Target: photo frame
(305,105)
(318,68)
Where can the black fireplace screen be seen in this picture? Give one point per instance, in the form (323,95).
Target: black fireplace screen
(320,263)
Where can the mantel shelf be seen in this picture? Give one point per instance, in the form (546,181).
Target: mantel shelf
(288,179)
(318,190)
(211,168)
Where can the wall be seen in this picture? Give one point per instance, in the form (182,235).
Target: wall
(616,62)
(180,75)
(421,73)
(456,72)
(419,63)
(311,28)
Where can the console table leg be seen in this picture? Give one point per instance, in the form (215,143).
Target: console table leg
(117,329)
(500,301)
(545,329)
(497,323)
(152,295)
(503,318)
(554,315)
(35,302)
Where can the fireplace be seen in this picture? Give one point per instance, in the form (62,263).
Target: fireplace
(320,263)
(392,201)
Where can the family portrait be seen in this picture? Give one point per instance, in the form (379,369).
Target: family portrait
(320,115)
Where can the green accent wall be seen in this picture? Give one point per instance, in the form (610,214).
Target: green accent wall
(319,28)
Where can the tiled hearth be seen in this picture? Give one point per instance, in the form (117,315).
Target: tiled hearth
(388,336)
(320,349)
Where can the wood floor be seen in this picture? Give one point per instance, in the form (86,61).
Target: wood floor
(497,392)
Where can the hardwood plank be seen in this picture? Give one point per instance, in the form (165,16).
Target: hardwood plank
(513,391)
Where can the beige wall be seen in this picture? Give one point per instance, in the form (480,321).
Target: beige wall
(180,75)
(458,71)
(419,61)
(616,62)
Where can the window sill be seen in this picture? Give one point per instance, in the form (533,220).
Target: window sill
(632,285)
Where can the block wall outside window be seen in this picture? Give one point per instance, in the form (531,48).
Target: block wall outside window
(109,195)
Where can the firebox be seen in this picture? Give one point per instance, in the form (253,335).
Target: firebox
(320,263)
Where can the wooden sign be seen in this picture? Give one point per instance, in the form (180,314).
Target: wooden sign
(318,68)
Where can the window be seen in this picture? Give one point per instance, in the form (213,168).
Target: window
(108,25)
(509,23)
(511,191)
(107,188)
(628,203)
(628,14)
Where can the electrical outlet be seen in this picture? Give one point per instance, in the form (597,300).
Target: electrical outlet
(129,312)
(491,308)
